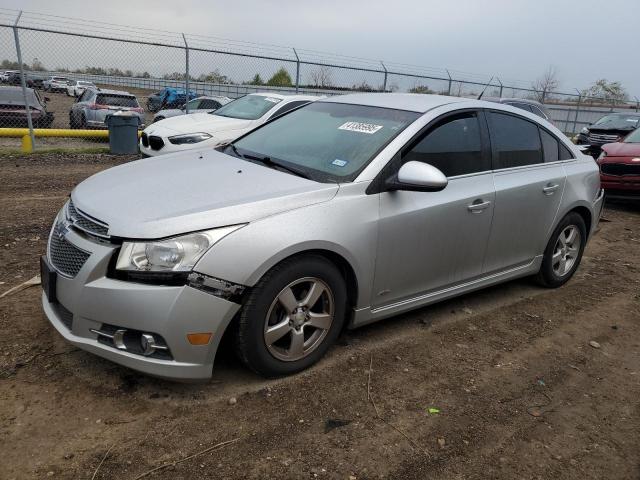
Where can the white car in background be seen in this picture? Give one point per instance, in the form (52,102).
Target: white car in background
(77,88)
(56,84)
(202,104)
(209,130)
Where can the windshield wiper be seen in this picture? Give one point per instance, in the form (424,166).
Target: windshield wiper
(234,150)
(266,160)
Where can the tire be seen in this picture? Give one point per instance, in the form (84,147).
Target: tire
(72,122)
(83,122)
(564,252)
(265,309)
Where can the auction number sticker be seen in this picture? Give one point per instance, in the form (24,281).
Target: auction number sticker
(272,100)
(359,127)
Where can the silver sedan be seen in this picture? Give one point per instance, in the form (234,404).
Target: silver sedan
(339,213)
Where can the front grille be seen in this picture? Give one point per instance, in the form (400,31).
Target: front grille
(620,169)
(85,223)
(144,139)
(64,256)
(156,142)
(603,138)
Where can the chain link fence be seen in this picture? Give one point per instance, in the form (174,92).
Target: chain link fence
(133,65)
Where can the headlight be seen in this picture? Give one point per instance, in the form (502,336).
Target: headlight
(584,131)
(188,138)
(178,254)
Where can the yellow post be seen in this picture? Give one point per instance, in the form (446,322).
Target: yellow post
(27,145)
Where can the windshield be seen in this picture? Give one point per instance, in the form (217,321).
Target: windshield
(618,121)
(633,137)
(59,79)
(331,142)
(85,84)
(249,107)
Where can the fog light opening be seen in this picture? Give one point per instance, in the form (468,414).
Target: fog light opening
(199,338)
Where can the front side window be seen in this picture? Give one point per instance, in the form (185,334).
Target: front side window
(515,141)
(330,142)
(289,106)
(454,146)
(249,107)
(208,104)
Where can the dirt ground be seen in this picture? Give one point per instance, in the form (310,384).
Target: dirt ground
(520,392)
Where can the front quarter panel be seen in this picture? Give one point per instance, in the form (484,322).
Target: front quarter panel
(345,225)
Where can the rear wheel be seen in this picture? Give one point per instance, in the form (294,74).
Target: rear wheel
(292,316)
(564,252)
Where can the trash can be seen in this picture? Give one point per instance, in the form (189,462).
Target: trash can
(123,132)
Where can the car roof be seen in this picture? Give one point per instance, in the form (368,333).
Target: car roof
(288,98)
(513,100)
(414,102)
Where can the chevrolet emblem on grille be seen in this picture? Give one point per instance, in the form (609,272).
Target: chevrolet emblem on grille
(63,228)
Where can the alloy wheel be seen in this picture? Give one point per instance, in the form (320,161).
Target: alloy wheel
(566,250)
(299,319)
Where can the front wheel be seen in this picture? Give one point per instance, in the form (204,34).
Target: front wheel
(564,252)
(292,316)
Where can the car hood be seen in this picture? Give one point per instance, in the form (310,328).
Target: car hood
(188,191)
(197,122)
(621,149)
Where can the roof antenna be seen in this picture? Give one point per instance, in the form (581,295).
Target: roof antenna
(485,88)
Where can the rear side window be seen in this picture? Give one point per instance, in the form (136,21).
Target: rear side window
(550,146)
(454,146)
(117,100)
(515,141)
(538,112)
(565,153)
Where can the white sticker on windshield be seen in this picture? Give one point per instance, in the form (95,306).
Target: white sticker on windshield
(634,120)
(339,163)
(272,100)
(368,128)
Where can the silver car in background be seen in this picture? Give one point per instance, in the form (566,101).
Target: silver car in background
(94,105)
(202,104)
(340,213)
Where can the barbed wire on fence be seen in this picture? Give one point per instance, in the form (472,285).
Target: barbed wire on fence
(145,60)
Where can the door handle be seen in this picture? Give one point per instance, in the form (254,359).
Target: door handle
(550,188)
(478,206)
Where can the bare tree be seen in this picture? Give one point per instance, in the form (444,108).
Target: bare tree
(321,77)
(545,85)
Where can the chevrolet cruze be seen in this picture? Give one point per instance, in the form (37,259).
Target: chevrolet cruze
(340,213)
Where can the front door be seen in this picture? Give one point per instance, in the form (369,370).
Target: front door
(431,240)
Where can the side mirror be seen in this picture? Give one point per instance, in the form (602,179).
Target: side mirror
(418,177)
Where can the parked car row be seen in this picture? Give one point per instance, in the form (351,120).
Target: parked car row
(217,127)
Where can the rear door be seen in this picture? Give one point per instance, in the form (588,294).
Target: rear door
(529,180)
(430,240)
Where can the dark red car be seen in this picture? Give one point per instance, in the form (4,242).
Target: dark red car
(620,166)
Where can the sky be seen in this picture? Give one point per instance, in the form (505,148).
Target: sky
(584,40)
